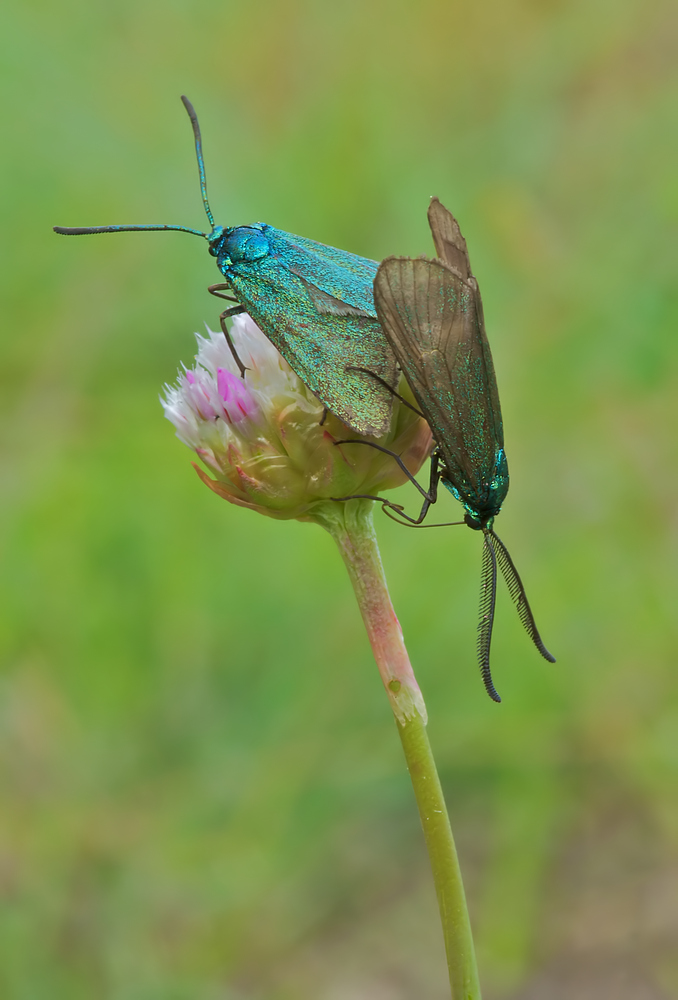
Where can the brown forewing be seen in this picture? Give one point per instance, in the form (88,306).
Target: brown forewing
(449,243)
(432,318)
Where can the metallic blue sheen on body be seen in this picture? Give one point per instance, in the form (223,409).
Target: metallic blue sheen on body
(238,244)
(316,304)
(340,274)
(483,502)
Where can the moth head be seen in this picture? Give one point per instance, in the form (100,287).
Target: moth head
(215,239)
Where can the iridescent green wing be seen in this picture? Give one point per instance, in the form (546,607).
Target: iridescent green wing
(331,345)
(432,318)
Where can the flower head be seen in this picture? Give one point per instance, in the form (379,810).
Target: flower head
(264,438)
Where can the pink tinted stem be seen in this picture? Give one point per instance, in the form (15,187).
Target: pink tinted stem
(350,524)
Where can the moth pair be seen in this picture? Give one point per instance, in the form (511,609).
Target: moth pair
(346,326)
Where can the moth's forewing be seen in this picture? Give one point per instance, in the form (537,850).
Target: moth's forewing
(316,304)
(329,305)
(451,248)
(323,348)
(431,320)
(342,275)
(449,243)
(488,366)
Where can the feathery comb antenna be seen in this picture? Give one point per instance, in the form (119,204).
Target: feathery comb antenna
(518,595)
(488,598)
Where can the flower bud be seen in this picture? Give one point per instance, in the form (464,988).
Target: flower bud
(264,438)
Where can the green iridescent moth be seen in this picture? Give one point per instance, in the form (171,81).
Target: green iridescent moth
(314,303)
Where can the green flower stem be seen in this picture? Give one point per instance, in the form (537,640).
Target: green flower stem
(350,524)
(461,957)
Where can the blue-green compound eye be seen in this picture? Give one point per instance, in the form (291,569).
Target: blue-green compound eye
(215,239)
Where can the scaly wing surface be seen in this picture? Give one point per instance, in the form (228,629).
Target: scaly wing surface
(432,318)
(331,351)
(449,243)
(337,274)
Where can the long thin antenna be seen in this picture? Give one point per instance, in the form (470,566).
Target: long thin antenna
(88,230)
(85,231)
(198,152)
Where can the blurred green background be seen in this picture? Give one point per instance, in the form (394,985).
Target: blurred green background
(190,805)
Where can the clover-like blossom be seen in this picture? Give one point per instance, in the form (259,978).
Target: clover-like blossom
(263,438)
(271,447)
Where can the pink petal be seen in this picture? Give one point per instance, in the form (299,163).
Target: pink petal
(238,401)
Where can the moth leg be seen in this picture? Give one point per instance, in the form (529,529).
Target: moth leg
(385,504)
(411,522)
(219,290)
(232,311)
(415,524)
(370,496)
(386,385)
(432,493)
(222,319)
(324,416)
(430,497)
